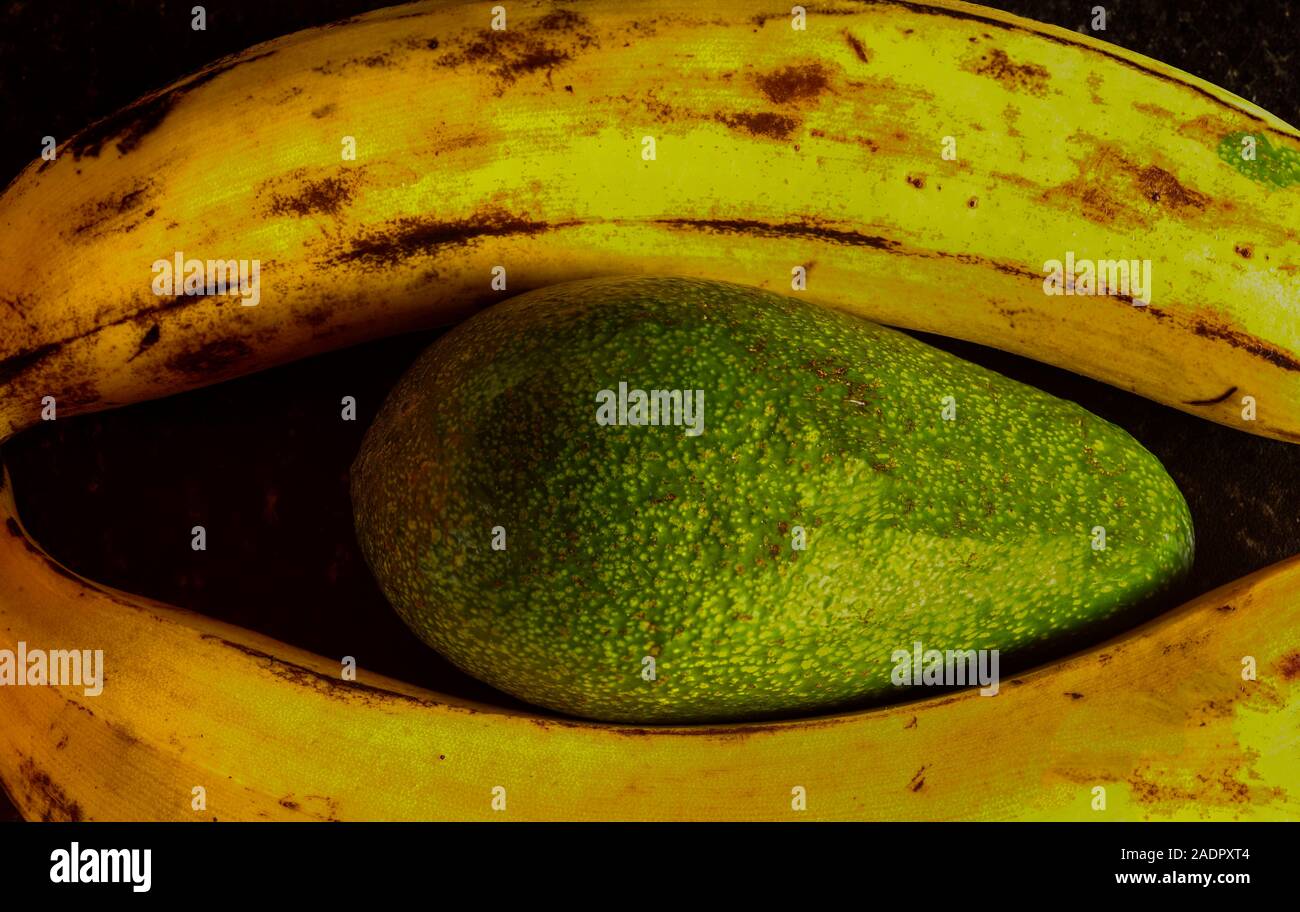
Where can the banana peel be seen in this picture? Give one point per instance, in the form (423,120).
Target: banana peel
(775,150)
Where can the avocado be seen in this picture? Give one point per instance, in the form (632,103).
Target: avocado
(663,500)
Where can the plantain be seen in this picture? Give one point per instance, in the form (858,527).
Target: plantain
(774,149)
(492,162)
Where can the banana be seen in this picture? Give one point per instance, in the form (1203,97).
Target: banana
(1161,721)
(529,149)
(774,148)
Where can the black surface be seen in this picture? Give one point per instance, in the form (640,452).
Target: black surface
(263,461)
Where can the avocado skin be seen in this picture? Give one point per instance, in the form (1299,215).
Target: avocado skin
(630,541)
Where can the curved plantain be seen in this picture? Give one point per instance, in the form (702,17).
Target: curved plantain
(775,148)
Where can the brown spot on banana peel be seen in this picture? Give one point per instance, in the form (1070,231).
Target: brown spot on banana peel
(1290,666)
(1246,342)
(1160,186)
(859,49)
(149,341)
(763,123)
(96,217)
(297,194)
(409,237)
(806,229)
(1016,77)
(918,779)
(1215,401)
(793,83)
(58,806)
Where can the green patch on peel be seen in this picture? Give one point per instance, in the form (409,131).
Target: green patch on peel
(1274,166)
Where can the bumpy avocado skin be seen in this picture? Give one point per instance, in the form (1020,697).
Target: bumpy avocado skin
(623,542)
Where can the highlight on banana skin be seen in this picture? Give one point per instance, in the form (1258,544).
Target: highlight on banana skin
(654,410)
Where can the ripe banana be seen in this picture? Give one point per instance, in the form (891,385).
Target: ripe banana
(774,148)
(1161,721)
(529,148)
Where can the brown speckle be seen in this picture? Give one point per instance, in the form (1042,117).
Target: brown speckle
(1215,401)
(301,196)
(1018,77)
(764,123)
(793,83)
(1248,343)
(918,780)
(323,111)
(1245,251)
(102,213)
(808,229)
(149,340)
(1159,186)
(58,807)
(408,237)
(1290,666)
(859,50)
(917,181)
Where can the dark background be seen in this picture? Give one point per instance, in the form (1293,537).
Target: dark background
(262,462)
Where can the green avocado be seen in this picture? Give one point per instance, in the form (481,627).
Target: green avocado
(659,500)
